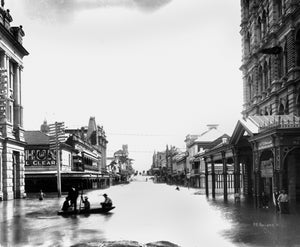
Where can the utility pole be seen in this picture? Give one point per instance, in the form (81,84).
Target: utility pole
(57,161)
(57,135)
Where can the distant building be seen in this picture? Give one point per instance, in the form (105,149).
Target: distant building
(195,146)
(11,110)
(81,158)
(121,165)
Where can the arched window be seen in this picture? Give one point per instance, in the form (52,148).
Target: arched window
(285,59)
(247,44)
(278,5)
(298,105)
(298,48)
(269,75)
(261,112)
(287,106)
(281,109)
(259,27)
(260,80)
(265,76)
(280,65)
(250,89)
(266,112)
(246,8)
(264,23)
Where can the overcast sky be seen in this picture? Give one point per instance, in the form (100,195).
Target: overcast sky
(149,71)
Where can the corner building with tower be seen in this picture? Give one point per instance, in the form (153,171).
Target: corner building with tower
(11,111)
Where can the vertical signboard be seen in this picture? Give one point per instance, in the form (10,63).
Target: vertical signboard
(57,136)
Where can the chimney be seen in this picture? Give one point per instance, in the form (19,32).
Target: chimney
(212,126)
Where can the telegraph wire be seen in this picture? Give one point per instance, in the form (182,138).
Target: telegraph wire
(139,134)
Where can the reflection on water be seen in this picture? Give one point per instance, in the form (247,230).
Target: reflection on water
(147,212)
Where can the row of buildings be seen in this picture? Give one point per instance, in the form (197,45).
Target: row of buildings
(263,152)
(35,160)
(82,158)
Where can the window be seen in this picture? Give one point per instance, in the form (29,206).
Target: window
(250,89)
(264,23)
(246,8)
(247,44)
(298,48)
(284,60)
(286,110)
(278,4)
(11,75)
(260,80)
(281,109)
(265,76)
(280,65)
(9,115)
(259,29)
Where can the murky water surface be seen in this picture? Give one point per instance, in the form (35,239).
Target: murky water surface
(146,212)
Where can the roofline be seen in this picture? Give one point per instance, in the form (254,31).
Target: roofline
(12,39)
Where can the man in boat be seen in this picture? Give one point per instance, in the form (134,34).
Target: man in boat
(73,195)
(86,203)
(107,202)
(66,205)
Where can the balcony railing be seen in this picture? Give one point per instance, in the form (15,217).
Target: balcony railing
(281,123)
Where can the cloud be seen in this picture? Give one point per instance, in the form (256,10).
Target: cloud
(63,10)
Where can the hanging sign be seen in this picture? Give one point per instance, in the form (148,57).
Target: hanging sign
(266,168)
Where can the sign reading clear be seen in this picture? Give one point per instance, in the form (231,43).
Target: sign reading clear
(40,157)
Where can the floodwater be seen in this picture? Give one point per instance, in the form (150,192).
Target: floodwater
(147,212)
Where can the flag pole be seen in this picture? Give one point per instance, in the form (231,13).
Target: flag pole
(57,161)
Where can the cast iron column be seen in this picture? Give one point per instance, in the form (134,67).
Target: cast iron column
(213,179)
(225,176)
(206,178)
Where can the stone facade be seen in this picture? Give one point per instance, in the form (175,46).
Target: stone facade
(270,32)
(271,57)
(11,110)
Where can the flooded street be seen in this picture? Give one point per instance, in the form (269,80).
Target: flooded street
(146,212)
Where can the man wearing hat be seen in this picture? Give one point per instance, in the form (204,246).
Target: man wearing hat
(107,202)
(86,203)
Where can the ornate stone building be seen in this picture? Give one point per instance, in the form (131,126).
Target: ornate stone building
(270,32)
(264,147)
(11,110)
(271,57)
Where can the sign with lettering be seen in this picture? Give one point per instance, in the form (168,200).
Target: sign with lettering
(40,157)
(266,168)
(265,144)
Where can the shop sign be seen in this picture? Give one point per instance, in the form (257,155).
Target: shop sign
(265,144)
(266,168)
(40,157)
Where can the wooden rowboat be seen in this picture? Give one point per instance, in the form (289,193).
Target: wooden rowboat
(82,211)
